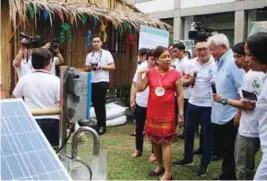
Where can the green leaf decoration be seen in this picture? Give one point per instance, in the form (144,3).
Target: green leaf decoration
(65,28)
(84,19)
(32,10)
(125,25)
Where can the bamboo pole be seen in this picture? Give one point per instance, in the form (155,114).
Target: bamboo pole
(13,33)
(40,112)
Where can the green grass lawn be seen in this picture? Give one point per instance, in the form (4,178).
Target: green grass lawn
(121,166)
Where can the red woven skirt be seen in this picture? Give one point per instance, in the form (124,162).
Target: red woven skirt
(160,131)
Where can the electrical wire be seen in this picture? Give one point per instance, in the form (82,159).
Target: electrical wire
(67,139)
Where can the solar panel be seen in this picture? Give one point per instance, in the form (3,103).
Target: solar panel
(25,152)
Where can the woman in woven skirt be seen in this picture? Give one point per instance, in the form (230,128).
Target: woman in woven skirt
(163,81)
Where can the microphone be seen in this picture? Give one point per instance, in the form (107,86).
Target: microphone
(195,76)
(213,86)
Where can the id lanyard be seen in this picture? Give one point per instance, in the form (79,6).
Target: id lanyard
(97,59)
(160,91)
(42,71)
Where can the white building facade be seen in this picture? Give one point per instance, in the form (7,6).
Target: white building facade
(231,17)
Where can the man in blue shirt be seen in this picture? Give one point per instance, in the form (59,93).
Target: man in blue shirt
(228,80)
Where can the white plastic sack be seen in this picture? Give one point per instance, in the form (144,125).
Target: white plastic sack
(113,111)
(117,121)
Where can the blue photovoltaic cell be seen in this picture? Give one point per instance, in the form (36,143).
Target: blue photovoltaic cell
(25,152)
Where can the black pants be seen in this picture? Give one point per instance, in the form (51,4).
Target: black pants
(50,128)
(224,145)
(140,115)
(185,107)
(99,91)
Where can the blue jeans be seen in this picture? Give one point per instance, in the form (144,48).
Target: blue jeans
(193,114)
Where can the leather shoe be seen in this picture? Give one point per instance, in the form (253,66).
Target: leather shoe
(101,130)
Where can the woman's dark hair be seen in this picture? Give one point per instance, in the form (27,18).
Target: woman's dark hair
(150,53)
(41,58)
(159,50)
(257,45)
(142,52)
(239,48)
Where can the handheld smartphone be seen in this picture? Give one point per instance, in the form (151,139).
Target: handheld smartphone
(250,96)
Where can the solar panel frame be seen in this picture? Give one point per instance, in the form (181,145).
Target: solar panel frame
(25,146)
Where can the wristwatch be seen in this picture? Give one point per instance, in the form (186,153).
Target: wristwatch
(181,115)
(224,101)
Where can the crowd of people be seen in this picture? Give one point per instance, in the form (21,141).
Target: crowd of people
(211,89)
(39,83)
(171,90)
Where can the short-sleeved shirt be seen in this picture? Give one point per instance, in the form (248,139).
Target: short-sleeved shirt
(249,121)
(54,63)
(141,97)
(261,108)
(229,79)
(182,67)
(102,58)
(41,90)
(24,68)
(201,93)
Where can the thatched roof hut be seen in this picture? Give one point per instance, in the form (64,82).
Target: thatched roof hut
(118,19)
(75,10)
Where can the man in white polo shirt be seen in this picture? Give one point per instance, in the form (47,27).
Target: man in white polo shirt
(99,62)
(41,90)
(181,64)
(199,108)
(247,142)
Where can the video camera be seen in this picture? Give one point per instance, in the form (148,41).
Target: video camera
(54,47)
(199,32)
(30,41)
(37,42)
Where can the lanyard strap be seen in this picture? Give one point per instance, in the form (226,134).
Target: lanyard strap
(160,78)
(42,71)
(98,57)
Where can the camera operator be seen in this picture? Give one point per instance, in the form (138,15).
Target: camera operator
(99,62)
(57,57)
(41,90)
(22,62)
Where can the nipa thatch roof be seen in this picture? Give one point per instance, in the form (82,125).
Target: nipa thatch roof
(75,11)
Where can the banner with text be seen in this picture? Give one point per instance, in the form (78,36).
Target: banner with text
(153,37)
